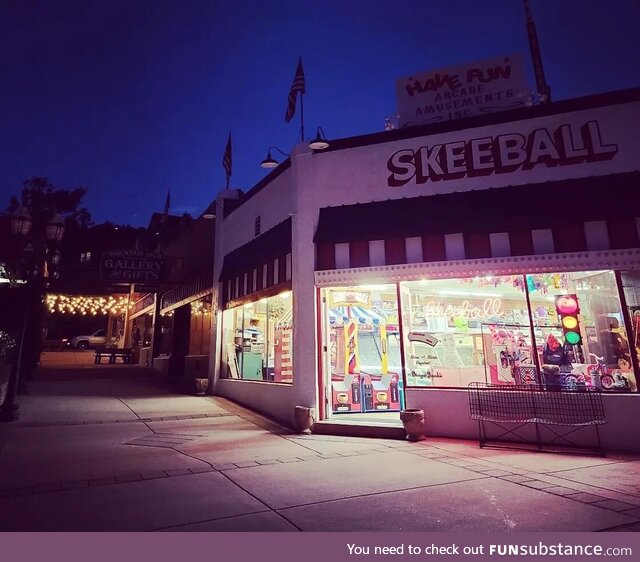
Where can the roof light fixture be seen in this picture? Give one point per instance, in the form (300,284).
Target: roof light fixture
(270,161)
(320,142)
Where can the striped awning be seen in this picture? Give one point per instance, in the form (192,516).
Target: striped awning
(341,312)
(579,215)
(259,265)
(266,247)
(194,288)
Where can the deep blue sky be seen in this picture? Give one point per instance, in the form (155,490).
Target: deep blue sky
(132,97)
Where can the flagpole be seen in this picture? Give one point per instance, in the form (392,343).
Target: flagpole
(302,116)
(544,92)
(228,178)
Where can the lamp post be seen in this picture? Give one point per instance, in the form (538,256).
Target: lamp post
(40,258)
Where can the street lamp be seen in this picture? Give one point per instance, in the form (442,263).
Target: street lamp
(39,255)
(21,222)
(55,228)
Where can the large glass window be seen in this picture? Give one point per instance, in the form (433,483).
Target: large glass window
(631,287)
(142,331)
(165,325)
(257,340)
(580,331)
(571,332)
(458,331)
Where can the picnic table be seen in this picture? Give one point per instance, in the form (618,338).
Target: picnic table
(113,353)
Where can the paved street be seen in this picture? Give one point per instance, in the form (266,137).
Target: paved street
(111,449)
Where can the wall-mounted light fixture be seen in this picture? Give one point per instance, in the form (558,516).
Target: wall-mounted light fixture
(270,161)
(320,142)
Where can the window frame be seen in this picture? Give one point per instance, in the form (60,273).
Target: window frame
(624,312)
(241,302)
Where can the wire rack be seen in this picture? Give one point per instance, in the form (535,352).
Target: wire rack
(524,403)
(558,415)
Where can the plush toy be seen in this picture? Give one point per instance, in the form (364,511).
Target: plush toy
(553,352)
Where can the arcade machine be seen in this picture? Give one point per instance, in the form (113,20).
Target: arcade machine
(359,355)
(346,391)
(380,390)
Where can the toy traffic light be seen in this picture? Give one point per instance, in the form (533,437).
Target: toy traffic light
(568,310)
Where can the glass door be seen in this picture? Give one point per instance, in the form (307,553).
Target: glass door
(362,349)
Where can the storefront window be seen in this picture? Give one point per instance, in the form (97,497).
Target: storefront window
(258,340)
(142,331)
(579,328)
(458,331)
(166,333)
(631,287)
(280,338)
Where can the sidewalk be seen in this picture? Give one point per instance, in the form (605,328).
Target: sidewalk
(112,450)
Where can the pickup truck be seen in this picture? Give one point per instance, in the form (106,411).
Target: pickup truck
(97,339)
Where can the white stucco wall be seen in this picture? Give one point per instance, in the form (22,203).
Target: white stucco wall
(359,175)
(272,204)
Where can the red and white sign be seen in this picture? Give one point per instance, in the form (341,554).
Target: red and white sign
(462,91)
(567,144)
(283,362)
(349,298)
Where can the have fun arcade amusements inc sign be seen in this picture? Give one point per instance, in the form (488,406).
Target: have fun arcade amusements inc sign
(462,91)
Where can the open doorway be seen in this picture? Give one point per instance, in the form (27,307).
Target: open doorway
(361,348)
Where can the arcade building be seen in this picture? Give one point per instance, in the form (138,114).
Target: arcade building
(391,270)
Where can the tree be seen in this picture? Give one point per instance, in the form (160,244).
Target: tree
(42,199)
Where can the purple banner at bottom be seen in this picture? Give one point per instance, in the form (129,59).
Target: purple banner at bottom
(312,547)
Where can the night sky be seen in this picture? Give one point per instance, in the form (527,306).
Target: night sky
(130,98)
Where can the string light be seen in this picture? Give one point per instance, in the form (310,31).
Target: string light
(198,308)
(65,304)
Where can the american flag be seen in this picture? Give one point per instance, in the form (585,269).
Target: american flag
(297,86)
(226,159)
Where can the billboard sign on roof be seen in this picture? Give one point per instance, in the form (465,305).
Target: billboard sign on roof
(462,91)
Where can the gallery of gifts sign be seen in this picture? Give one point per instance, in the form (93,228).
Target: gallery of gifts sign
(131,266)
(462,91)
